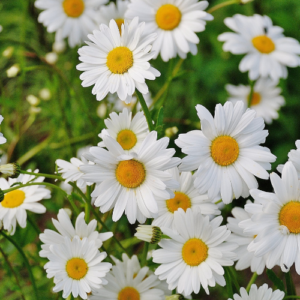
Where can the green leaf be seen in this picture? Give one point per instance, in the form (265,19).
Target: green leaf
(228,283)
(277,281)
(160,117)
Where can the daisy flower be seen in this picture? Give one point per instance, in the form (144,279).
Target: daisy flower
(128,280)
(266,99)
(175,21)
(195,254)
(131,182)
(245,259)
(294,157)
(127,131)
(226,151)
(268,51)
(118,63)
(72,19)
(77,267)
(276,218)
(114,11)
(185,197)
(15,203)
(65,228)
(2,138)
(261,293)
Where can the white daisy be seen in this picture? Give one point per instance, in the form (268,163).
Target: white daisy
(113,11)
(2,138)
(245,259)
(128,280)
(185,197)
(294,157)
(226,151)
(127,131)
(268,51)
(77,267)
(261,293)
(65,228)
(72,19)
(276,218)
(266,99)
(15,203)
(175,21)
(195,254)
(116,63)
(131,182)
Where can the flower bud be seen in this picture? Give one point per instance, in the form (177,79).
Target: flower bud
(149,233)
(12,170)
(13,71)
(33,100)
(45,94)
(51,58)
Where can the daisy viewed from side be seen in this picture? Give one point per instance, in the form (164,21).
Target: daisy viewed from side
(176,23)
(245,259)
(268,51)
(195,254)
(127,131)
(116,63)
(276,218)
(261,293)
(66,229)
(72,19)
(226,151)
(266,99)
(128,280)
(185,197)
(131,182)
(77,267)
(2,138)
(15,203)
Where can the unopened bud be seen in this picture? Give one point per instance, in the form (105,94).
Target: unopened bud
(45,94)
(149,233)
(175,297)
(8,52)
(51,58)
(13,71)
(33,100)
(12,170)
(59,46)
(101,110)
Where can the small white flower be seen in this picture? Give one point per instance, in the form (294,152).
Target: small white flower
(10,169)
(13,71)
(8,52)
(33,100)
(148,233)
(45,94)
(51,58)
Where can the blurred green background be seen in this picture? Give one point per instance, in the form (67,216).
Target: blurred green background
(58,127)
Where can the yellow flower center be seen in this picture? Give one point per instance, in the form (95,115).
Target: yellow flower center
(13,199)
(194,252)
(263,44)
(224,150)
(119,23)
(76,268)
(129,293)
(168,17)
(180,200)
(73,8)
(130,173)
(127,139)
(289,216)
(256,98)
(119,60)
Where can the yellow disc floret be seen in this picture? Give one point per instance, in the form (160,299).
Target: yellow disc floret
(289,216)
(119,23)
(73,8)
(263,44)
(168,17)
(76,268)
(256,98)
(224,150)
(127,139)
(119,60)
(129,293)
(194,252)
(130,173)
(180,200)
(13,199)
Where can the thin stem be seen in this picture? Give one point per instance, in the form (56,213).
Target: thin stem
(43,175)
(252,280)
(13,272)
(25,261)
(145,109)
(33,224)
(75,208)
(87,206)
(108,255)
(252,83)
(218,201)
(144,255)
(221,5)
(290,287)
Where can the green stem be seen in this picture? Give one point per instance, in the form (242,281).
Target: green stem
(252,83)
(13,272)
(252,280)
(144,255)
(75,208)
(33,224)
(25,261)
(221,5)
(145,109)
(43,175)
(88,204)
(290,287)
(219,201)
